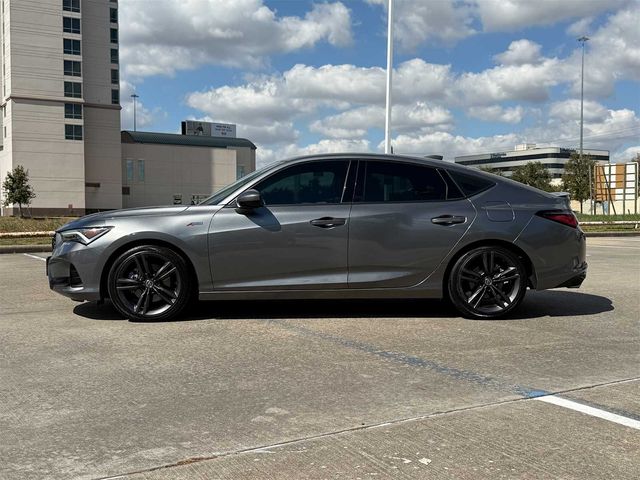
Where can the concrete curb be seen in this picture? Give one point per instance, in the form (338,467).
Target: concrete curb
(47,248)
(25,249)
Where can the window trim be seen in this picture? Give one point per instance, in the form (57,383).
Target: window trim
(232,203)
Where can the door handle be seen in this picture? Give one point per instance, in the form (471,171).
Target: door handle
(448,220)
(328,222)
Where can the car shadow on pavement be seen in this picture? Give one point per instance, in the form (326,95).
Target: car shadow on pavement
(549,303)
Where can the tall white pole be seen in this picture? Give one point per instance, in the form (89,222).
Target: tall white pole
(582,40)
(387,122)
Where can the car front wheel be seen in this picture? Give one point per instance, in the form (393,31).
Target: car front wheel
(149,282)
(487,282)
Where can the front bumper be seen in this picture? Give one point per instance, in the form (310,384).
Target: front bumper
(72,271)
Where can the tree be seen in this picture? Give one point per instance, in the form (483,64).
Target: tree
(576,177)
(533,174)
(495,171)
(17,189)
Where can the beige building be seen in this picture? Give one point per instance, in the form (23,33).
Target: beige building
(164,168)
(61,102)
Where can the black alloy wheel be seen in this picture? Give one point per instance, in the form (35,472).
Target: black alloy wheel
(149,283)
(487,282)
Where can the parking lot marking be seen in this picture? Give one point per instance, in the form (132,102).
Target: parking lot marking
(594,412)
(34,256)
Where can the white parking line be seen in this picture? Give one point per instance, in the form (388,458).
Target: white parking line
(594,412)
(34,256)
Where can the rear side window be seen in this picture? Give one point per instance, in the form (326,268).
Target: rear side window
(314,182)
(400,182)
(470,184)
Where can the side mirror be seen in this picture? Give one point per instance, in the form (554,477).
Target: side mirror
(249,200)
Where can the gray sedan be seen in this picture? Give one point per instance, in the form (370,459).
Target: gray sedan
(329,226)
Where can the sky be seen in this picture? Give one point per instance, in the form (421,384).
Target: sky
(470,76)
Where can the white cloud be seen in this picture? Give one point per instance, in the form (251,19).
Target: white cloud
(510,15)
(496,113)
(356,122)
(158,39)
(626,154)
(145,117)
(417,21)
(580,27)
(520,52)
(264,156)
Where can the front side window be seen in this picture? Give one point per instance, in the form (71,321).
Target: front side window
(73,110)
(308,183)
(73,89)
(70,25)
(71,47)
(72,68)
(73,132)
(399,182)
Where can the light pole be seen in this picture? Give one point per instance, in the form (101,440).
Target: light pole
(135,97)
(582,40)
(387,122)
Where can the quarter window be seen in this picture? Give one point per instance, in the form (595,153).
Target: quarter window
(309,183)
(73,132)
(470,184)
(73,89)
(399,182)
(72,68)
(73,110)
(71,47)
(70,25)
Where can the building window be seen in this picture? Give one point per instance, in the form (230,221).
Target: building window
(73,89)
(71,5)
(114,15)
(114,35)
(72,68)
(114,55)
(115,97)
(73,110)
(240,172)
(141,170)
(73,132)
(71,47)
(115,76)
(70,25)
(129,171)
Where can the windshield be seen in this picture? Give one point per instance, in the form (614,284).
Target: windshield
(220,195)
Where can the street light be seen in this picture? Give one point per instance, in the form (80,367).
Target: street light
(582,40)
(135,97)
(387,122)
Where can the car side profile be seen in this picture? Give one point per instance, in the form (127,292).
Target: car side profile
(329,226)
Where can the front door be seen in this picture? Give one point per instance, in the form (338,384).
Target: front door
(298,240)
(403,223)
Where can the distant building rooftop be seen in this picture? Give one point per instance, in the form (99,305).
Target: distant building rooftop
(128,136)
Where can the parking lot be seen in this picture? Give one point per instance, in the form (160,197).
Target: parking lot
(331,389)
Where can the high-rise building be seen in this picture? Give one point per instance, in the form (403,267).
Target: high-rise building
(60,108)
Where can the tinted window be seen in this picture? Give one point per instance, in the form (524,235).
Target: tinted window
(315,182)
(470,184)
(401,182)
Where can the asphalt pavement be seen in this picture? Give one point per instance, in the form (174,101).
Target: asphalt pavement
(324,389)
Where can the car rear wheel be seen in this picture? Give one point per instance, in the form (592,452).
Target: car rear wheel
(487,282)
(149,282)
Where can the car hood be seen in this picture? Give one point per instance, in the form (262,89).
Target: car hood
(103,218)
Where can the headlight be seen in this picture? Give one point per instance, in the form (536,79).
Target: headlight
(83,235)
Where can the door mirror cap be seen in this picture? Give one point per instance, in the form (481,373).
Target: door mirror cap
(250,199)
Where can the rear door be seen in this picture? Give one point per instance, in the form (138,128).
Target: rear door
(404,220)
(298,240)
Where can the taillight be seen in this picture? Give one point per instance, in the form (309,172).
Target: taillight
(561,216)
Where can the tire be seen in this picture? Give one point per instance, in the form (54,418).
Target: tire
(487,282)
(149,283)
